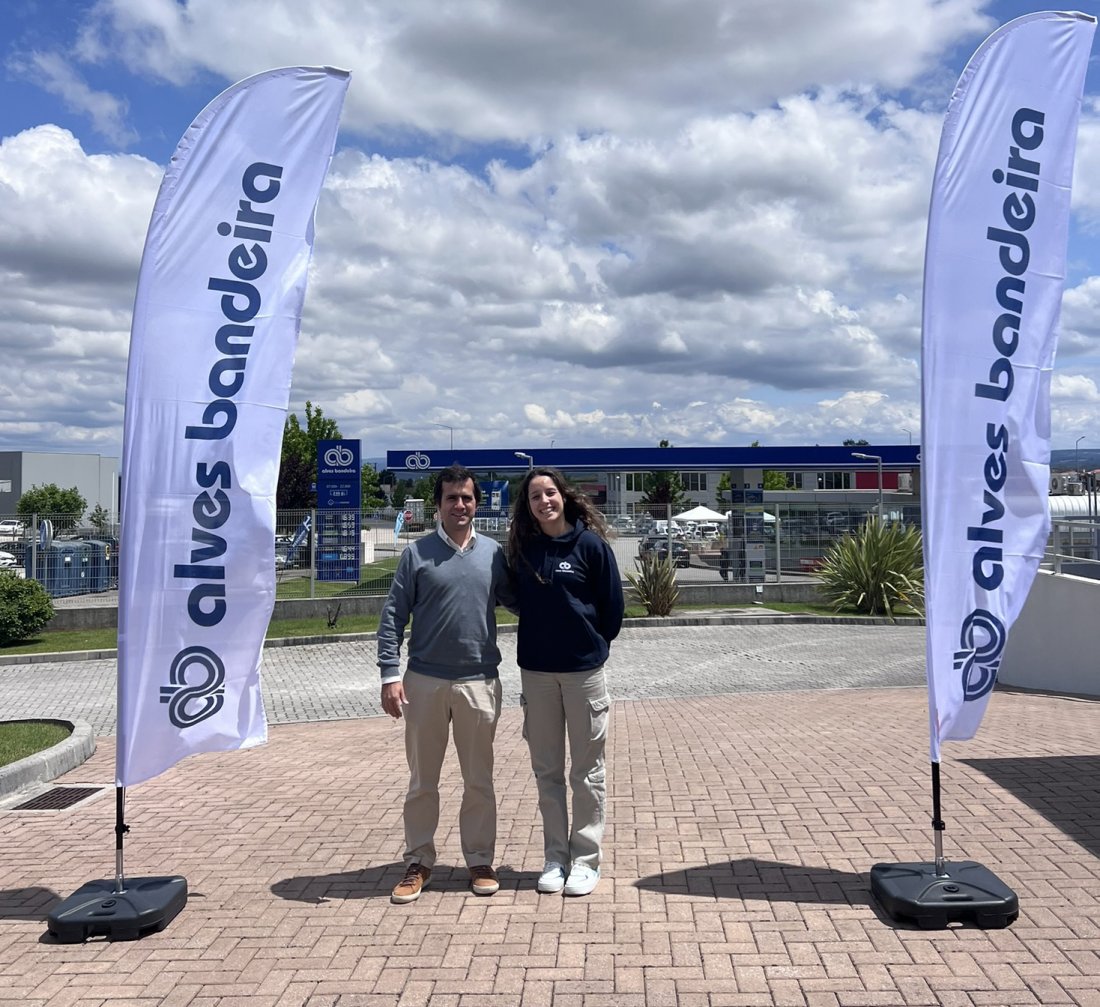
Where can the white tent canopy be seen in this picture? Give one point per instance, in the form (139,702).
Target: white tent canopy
(768,518)
(699,513)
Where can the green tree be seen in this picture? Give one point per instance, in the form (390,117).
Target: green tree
(424,489)
(100,520)
(663,490)
(370,488)
(722,496)
(773,480)
(64,508)
(851,442)
(400,493)
(298,464)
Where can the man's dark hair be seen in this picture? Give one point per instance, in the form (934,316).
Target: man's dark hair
(455,474)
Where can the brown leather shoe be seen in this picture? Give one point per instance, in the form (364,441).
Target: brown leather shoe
(408,889)
(483,880)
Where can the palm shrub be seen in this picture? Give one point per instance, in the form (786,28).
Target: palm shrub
(655,584)
(25,607)
(875,569)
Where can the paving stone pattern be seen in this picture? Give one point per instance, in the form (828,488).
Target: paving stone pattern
(745,810)
(339,681)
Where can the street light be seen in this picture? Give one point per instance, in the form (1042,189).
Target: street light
(909,432)
(874,458)
(1076,466)
(527,458)
(447,426)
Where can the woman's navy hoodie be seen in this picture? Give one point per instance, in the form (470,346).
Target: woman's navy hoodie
(568,620)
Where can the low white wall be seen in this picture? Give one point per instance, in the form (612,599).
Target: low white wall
(1052,645)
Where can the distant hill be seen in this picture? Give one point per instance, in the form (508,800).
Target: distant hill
(1063,459)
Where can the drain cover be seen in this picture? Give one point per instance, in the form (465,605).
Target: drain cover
(57,799)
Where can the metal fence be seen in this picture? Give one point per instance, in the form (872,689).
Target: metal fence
(321,554)
(69,557)
(1074,547)
(345,553)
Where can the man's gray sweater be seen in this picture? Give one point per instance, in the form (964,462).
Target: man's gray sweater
(452,597)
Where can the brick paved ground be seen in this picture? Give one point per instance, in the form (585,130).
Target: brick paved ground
(741,829)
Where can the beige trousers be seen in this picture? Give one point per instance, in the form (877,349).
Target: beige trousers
(568,708)
(436,708)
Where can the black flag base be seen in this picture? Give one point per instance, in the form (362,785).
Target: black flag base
(962,892)
(98,909)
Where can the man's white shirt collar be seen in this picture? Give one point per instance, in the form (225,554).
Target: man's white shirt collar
(454,545)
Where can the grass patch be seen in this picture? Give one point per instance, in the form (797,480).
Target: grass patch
(318,626)
(20,738)
(800,608)
(65,640)
(374,578)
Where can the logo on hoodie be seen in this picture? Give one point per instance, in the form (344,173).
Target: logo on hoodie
(565,566)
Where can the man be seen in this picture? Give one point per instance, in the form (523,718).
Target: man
(450,582)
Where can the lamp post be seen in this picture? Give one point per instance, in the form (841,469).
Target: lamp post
(1076,465)
(527,458)
(909,433)
(447,426)
(878,459)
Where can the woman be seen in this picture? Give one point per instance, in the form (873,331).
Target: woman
(570,600)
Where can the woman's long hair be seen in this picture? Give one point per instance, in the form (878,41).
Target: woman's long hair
(526,527)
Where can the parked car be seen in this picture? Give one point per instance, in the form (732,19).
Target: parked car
(681,554)
(286,555)
(6,560)
(658,545)
(623,524)
(12,528)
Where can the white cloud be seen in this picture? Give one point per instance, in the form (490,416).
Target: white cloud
(616,222)
(1075,388)
(536,414)
(526,70)
(57,74)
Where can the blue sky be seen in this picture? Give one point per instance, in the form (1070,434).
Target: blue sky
(592,224)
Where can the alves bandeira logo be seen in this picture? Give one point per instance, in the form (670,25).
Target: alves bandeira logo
(339,457)
(981,641)
(190,703)
(337,460)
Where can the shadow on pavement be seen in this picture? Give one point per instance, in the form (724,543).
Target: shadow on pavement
(378,882)
(1064,789)
(26,903)
(765,880)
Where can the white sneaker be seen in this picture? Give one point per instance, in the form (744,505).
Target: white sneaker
(552,878)
(582,880)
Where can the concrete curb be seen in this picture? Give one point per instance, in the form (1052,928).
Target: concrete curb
(61,655)
(52,762)
(764,617)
